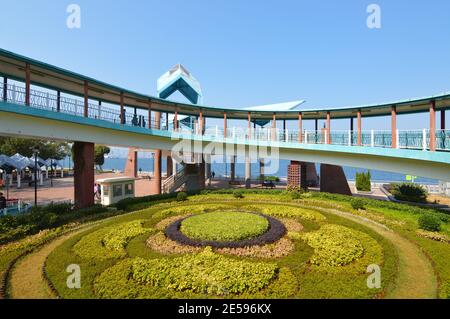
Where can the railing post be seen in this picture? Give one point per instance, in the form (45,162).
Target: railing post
(372,138)
(217,131)
(47,100)
(424,139)
(306,136)
(286,136)
(234,133)
(350,136)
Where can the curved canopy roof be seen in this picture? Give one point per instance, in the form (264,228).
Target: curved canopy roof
(13,65)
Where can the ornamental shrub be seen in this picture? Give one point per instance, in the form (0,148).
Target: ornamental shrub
(238,194)
(334,245)
(409,192)
(430,223)
(363,183)
(358,203)
(181,197)
(205,272)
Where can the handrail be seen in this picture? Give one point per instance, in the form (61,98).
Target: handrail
(406,139)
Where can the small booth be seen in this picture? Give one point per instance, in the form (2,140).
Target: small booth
(115,189)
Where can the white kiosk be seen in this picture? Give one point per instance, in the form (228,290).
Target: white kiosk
(115,189)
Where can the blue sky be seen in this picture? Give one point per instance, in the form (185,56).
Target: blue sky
(251,52)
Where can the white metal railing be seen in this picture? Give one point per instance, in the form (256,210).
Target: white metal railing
(405,139)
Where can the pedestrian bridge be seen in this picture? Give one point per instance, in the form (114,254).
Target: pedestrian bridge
(43,101)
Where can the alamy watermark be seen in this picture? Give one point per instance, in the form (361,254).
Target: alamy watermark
(74,19)
(374,18)
(74,279)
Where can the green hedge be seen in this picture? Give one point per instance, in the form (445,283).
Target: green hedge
(40,218)
(409,192)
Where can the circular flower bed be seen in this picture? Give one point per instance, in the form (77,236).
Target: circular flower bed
(226,230)
(224,226)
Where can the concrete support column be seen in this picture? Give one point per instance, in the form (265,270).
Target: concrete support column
(248,171)
(261,169)
(156,182)
(27,84)
(359,128)
(83,158)
(86,99)
(303,176)
(233,168)
(333,180)
(394,126)
(300,127)
(169,166)
(433,126)
(19,180)
(328,126)
(131,167)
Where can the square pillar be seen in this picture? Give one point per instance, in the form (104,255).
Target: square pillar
(224,124)
(394,126)
(157,161)
(131,167)
(328,131)
(83,158)
(433,126)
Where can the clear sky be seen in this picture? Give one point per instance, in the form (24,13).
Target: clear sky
(250,52)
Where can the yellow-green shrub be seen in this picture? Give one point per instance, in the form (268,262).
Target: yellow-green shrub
(109,242)
(286,211)
(334,245)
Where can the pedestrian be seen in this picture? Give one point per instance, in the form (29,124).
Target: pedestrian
(213,174)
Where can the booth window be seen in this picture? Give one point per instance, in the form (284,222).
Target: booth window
(129,189)
(105,190)
(117,190)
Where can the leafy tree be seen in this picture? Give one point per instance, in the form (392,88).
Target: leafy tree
(99,154)
(47,149)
